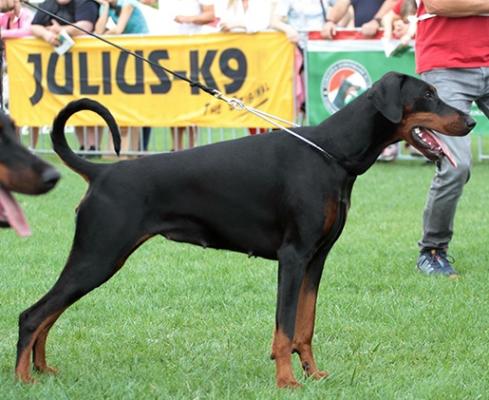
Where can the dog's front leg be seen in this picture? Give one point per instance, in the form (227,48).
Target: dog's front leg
(306,315)
(290,276)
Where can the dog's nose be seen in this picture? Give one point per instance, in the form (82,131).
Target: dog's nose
(50,177)
(470,122)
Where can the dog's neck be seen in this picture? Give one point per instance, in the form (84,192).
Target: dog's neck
(356,146)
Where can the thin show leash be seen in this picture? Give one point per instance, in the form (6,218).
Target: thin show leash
(234,103)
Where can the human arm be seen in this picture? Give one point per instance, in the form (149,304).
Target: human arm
(124,16)
(6,5)
(206,16)
(24,28)
(371,27)
(72,31)
(388,22)
(335,14)
(103,17)
(231,21)
(56,28)
(410,31)
(456,8)
(86,14)
(45,34)
(278,24)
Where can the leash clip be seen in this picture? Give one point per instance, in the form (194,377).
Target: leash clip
(235,103)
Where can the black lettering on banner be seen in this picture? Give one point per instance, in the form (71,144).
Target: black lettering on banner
(53,86)
(239,74)
(232,64)
(106,72)
(38,90)
(165,83)
(85,87)
(204,69)
(138,86)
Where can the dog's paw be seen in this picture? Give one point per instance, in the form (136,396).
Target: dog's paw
(46,370)
(318,375)
(289,383)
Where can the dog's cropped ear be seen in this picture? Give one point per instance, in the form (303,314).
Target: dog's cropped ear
(386,96)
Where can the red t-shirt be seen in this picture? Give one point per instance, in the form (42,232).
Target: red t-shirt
(451,42)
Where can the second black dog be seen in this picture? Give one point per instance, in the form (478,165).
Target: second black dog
(21,172)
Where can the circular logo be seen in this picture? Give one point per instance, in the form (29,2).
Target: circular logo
(342,82)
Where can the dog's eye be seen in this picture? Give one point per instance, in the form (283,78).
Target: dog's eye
(428,94)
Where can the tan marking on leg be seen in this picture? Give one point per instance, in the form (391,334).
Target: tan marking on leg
(281,352)
(304,331)
(22,370)
(40,349)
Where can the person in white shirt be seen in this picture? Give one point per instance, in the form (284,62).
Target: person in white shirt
(247,15)
(184,17)
(297,17)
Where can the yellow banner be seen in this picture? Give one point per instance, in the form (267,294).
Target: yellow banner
(255,68)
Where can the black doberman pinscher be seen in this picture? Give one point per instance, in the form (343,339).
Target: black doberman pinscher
(21,172)
(268,195)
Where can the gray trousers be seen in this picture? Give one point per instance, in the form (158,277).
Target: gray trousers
(459,88)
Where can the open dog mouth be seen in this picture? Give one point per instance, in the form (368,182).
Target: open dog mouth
(11,214)
(433,148)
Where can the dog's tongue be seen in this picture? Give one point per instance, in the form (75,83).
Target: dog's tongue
(444,149)
(430,136)
(11,210)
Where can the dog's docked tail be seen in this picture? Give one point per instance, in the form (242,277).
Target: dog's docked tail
(60,145)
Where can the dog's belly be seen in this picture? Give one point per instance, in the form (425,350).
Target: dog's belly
(235,235)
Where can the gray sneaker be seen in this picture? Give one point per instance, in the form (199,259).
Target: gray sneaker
(435,262)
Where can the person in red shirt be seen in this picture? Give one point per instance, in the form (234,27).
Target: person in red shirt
(452,53)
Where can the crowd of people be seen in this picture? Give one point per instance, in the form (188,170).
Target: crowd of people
(452,53)
(188,17)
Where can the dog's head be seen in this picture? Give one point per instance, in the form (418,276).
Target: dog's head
(21,172)
(419,113)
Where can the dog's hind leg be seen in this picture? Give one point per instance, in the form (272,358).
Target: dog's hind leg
(290,275)
(90,264)
(306,315)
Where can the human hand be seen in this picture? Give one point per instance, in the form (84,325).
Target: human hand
(51,37)
(387,34)
(405,39)
(292,35)
(329,30)
(224,27)
(400,28)
(184,19)
(55,27)
(370,28)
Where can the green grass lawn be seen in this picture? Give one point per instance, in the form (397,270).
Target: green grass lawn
(179,322)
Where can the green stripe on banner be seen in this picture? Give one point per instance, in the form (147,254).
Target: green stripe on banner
(338,71)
